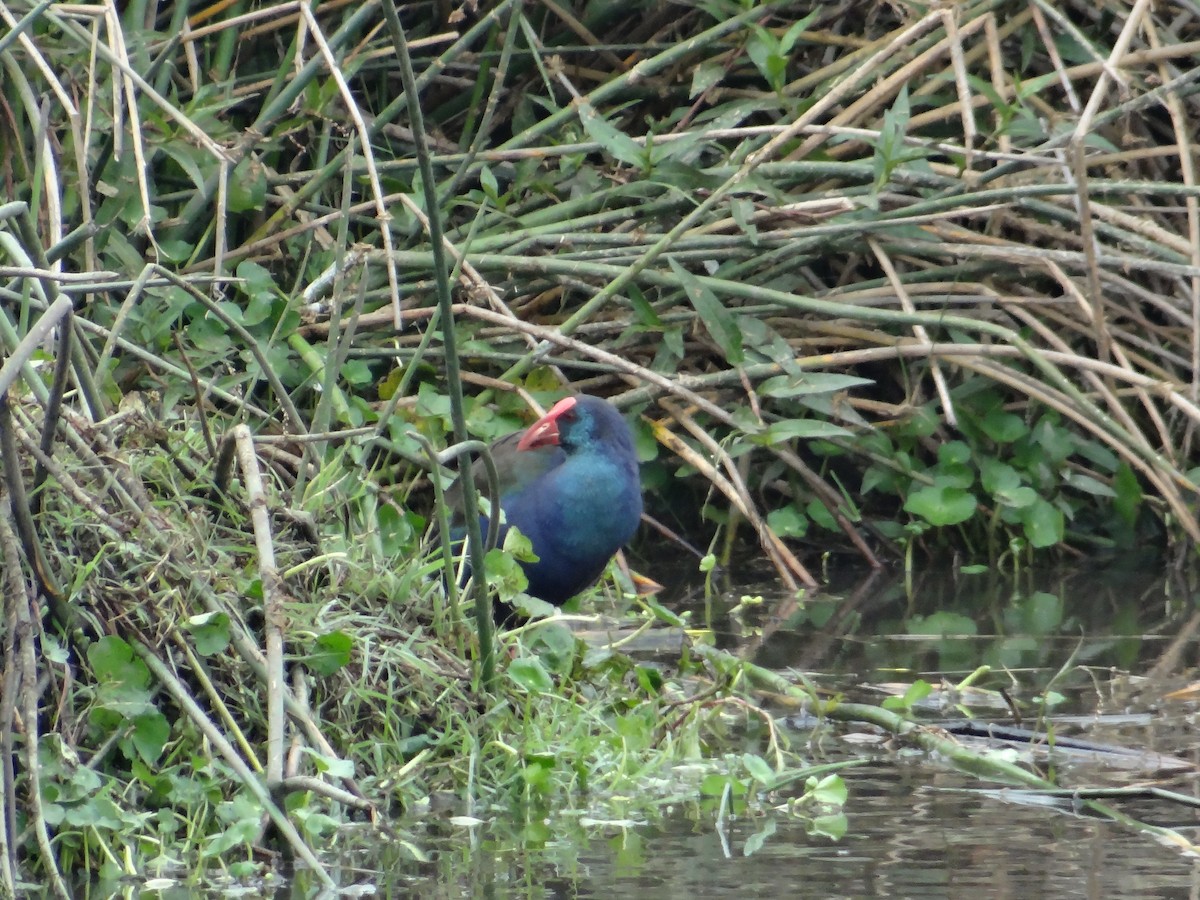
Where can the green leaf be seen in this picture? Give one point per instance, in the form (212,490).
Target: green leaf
(742,209)
(716,784)
(1043,523)
(175,250)
(830,790)
(1099,455)
(122,679)
(487,180)
(804,429)
(210,632)
(763,50)
(1003,427)
(189,157)
(788,521)
(241,834)
(538,768)
(662,613)
(518,545)
(101,813)
(529,673)
(1128,493)
(256,283)
(672,347)
(758,769)
(941,504)
(788,41)
(150,734)
(996,476)
(818,513)
(338,768)
(1055,442)
(880,478)
(889,149)
(834,826)
(394,529)
(1040,613)
(247,189)
(1017,498)
(940,624)
(53,651)
(650,680)
(755,842)
(615,142)
(554,646)
(331,653)
(784,386)
(504,573)
(532,607)
(705,76)
(319,825)
(1088,484)
(954,453)
(917,691)
(646,316)
(717,319)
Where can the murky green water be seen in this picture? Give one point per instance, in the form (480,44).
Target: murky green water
(911,835)
(1111,644)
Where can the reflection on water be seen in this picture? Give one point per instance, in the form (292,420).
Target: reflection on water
(1106,642)
(909,837)
(949,622)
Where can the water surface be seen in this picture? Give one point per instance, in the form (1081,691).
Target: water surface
(1101,649)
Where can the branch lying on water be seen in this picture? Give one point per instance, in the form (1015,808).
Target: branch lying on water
(935,742)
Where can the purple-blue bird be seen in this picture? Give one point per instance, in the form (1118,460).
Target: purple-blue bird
(570,484)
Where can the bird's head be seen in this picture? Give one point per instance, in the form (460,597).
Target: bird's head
(550,429)
(576,423)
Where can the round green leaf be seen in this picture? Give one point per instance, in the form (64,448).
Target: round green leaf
(1043,523)
(941,504)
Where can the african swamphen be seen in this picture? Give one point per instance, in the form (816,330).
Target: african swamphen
(570,484)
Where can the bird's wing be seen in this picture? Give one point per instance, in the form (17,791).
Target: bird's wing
(517,469)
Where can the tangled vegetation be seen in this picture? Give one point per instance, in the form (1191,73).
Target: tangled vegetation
(874,279)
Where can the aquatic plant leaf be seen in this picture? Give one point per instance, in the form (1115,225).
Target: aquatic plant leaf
(758,768)
(834,826)
(1043,523)
(122,679)
(755,842)
(830,790)
(1128,493)
(941,504)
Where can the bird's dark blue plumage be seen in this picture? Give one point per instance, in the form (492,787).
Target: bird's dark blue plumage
(570,484)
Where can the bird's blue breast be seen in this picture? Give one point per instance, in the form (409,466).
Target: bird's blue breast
(576,517)
(571,485)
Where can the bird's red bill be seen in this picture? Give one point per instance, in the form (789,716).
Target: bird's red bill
(544,432)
